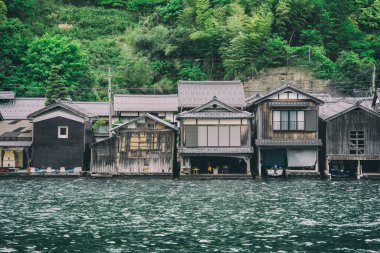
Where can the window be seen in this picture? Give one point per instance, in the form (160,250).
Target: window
(356,145)
(288,120)
(63,132)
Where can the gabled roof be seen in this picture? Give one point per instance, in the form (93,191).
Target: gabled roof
(20,108)
(92,109)
(149,116)
(195,93)
(57,105)
(215,109)
(254,100)
(332,110)
(7,95)
(146,103)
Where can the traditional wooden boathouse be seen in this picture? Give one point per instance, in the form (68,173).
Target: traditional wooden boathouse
(217,135)
(61,137)
(350,129)
(286,132)
(146,144)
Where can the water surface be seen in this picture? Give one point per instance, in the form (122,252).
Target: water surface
(83,215)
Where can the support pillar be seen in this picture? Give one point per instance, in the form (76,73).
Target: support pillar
(248,162)
(258,163)
(327,171)
(358,170)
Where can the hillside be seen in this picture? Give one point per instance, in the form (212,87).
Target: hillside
(65,47)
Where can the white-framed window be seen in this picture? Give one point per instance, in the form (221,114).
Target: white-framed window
(63,132)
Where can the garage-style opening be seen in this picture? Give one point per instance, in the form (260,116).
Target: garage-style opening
(219,165)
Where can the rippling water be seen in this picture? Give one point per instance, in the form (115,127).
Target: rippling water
(61,215)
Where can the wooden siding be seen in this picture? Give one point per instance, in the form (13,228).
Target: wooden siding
(50,151)
(338,132)
(265,118)
(147,149)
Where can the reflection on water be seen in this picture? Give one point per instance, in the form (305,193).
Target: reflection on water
(59,215)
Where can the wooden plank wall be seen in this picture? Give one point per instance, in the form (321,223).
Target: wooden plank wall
(338,132)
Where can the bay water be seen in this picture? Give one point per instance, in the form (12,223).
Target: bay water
(114,215)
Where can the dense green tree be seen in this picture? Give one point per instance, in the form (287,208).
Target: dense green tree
(55,87)
(3,12)
(48,51)
(14,39)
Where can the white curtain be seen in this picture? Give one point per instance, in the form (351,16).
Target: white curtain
(276,120)
(302,158)
(301,120)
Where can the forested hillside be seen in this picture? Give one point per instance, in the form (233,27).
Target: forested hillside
(151,44)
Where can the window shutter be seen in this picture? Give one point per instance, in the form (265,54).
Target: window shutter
(191,136)
(311,120)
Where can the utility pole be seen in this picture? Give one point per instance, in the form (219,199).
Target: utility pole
(309,53)
(374,79)
(109,101)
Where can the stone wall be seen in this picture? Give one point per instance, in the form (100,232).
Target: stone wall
(271,79)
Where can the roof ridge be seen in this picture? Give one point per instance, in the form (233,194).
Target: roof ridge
(147,95)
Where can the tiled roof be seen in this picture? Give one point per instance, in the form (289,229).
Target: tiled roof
(146,103)
(92,109)
(163,122)
(20,108)
(216,150)
(7,95)
(253,99)
(15,130)
(217,115)
(288,104)
(331,109)
(196,93)
(288,143)
(215,109)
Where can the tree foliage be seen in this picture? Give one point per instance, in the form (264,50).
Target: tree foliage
(154,43)
(48,51)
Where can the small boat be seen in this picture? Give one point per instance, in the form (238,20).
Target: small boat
(101,175)
(275,172)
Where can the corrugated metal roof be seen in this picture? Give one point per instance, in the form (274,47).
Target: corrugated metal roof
(7,95)
(20,108)
(288,143)
(217,150)
(195,93)
(146,103)
(92,109)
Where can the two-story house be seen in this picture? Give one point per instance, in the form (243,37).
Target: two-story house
(215,135)
(286,132)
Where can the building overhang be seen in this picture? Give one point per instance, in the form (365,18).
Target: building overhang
(352,157)
(288,143)
(217,151)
